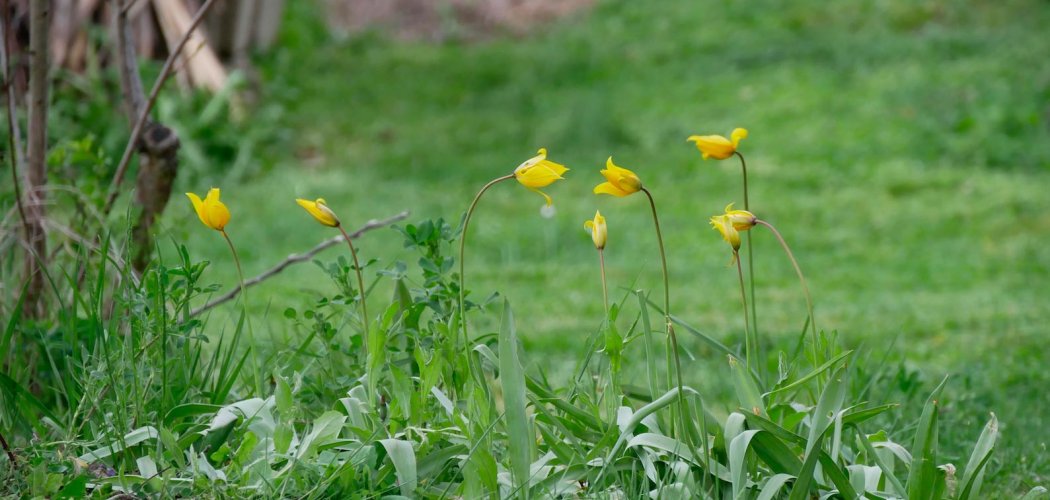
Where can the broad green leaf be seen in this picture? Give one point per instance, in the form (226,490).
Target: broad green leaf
(130,439)
(404,459)
(512,380)
(922,477)
(283,396)
(746,390)
(810,376)
(773,486)
(887,471)
(973,475)
(325,429)
(650,346)
(1034,493)
(737,466)
(828,406)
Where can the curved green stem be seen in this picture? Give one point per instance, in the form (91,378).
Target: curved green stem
(360,286)
(247,319)
(462,248)
(747,328)
(667,314)
(801,278)
(750,256)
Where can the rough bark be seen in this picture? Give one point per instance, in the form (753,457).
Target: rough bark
(36,158)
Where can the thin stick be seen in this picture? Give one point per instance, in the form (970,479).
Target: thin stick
(136,130)
(462,248)
(360,286)
(743,300)
(300,257)
(750,256)
(667,314)
(801,278)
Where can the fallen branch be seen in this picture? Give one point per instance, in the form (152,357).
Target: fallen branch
(300,257)
(136,131)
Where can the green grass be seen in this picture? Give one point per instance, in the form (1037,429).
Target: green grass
(901,150)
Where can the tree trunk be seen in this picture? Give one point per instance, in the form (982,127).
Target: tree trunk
(36,158)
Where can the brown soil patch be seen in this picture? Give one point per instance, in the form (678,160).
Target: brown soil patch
(438,20)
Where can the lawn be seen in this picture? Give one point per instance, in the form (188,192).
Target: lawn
(902,149)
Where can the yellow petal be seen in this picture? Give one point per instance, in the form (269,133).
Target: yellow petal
(213,195)
(319,211)
(218,214)
(713,146)
(738,135)
(588,225)
(609,188)
(198,206)
(544,195)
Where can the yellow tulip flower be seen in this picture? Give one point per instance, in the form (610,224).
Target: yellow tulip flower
(729,233)
(319,209)
(718,147)
(599,232)
(538,171)
(212,212)
(620,181)
(742,220)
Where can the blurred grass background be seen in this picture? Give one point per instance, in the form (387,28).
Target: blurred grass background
(901,147)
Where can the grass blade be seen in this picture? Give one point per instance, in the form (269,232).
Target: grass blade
(404,460)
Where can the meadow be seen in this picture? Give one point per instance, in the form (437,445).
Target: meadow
(900,148)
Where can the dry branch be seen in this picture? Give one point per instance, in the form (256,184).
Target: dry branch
(137,129)
(300,257)
(159,160)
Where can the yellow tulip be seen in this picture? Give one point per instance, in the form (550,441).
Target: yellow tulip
(718,147)
(742,220)
(620,181)
(319,209)
(212,212)
(729,233)
(538,171)
(599,232)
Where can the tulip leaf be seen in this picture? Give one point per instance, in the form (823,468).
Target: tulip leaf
(512,380)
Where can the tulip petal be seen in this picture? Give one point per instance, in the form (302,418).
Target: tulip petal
(609,188)
(544,195)
(198,206)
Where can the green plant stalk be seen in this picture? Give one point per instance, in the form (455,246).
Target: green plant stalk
(667,315)
(360,286)
(247,319)
(614,365)
(801,279)
(462,249)
(750,256)
(749,349)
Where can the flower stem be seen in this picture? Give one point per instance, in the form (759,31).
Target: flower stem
(605,287)
(360,286)
(667,315)
(247,319)
(802,279)
(747,328)
(462,248)
(750,257)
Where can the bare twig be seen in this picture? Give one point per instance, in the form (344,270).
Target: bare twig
(296,258)
(131,84)
(136,130)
